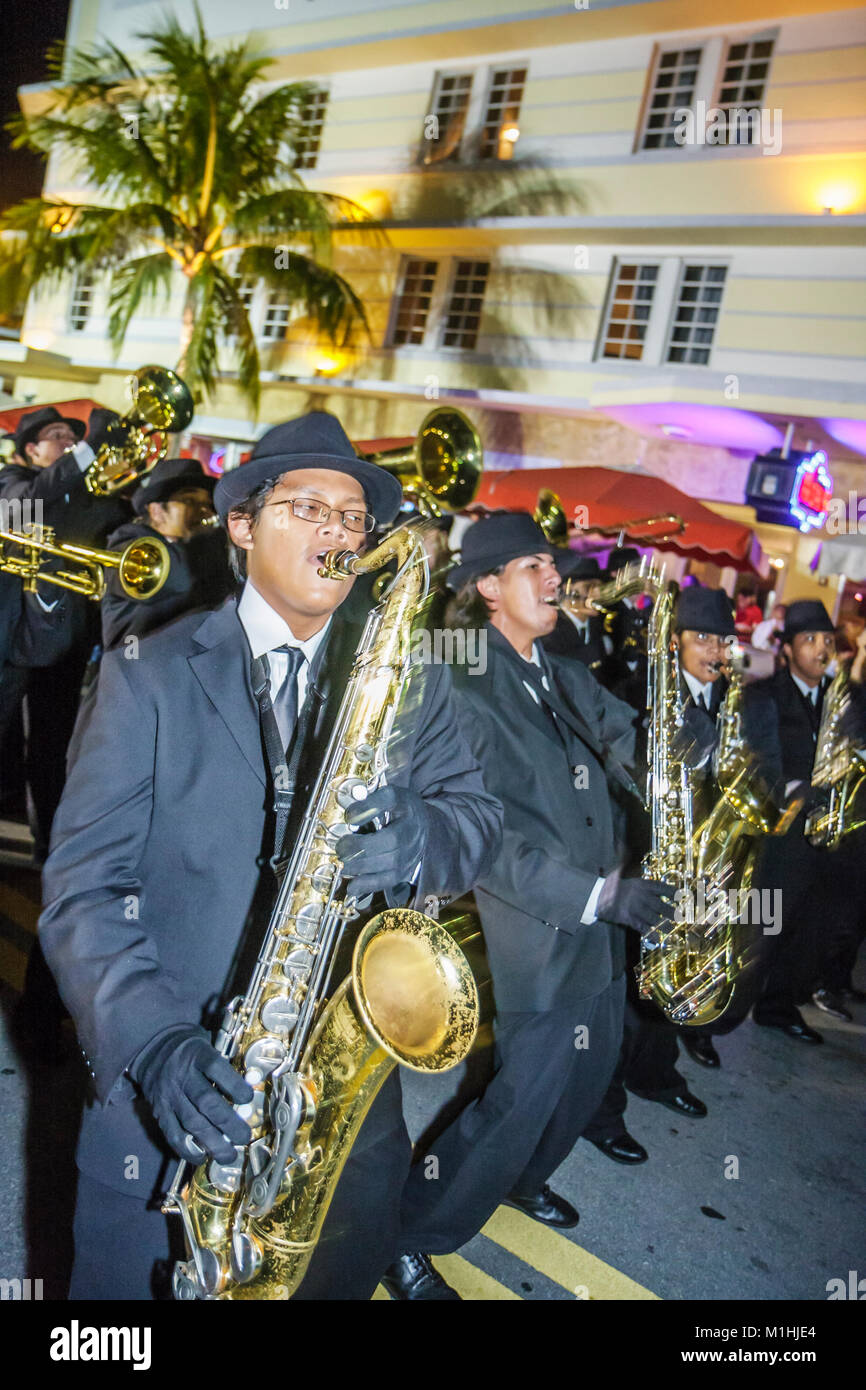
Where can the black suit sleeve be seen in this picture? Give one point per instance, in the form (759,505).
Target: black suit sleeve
(94,927)
(466,820)
(49,484)
(559,891)
(761,731)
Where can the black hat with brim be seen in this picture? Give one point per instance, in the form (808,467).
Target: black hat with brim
(620,556)
(572,565)
(30,425)
(315,440)
(168,477)
(705,610)
(806,615)
(495,540)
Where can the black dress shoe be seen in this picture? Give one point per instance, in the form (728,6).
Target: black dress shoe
(832,1004)
(683,1104)
(797,1028)
(700,1048)
(622,1148)
(546,1206)
(413,1278)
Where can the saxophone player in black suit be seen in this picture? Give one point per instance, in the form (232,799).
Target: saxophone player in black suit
(703,624)
(817,885)
(159,883)
(551,741)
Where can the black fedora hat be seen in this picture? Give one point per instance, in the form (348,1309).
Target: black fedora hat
(806,615)
(496,539)
(704,610)
(572,565)
(315,440)
(30,425)
(168,477)
(620,556)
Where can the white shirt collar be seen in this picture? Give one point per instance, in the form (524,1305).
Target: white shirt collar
(810,691)
(701,694)
(266,630)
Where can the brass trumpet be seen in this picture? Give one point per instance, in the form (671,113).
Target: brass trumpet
(161,405)
(441,471)
(142,566)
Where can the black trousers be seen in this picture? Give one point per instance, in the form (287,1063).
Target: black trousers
(811,894)
(646,1065)
(125,1251)
(544,1091)
(843,929)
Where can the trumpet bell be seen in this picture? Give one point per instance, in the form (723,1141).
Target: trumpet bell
(550,515)
(143,567)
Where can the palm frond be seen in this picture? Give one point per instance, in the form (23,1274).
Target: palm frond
(147,278)
(328,300)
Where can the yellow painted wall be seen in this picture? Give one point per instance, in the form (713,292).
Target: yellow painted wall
(819,337)
(844,297)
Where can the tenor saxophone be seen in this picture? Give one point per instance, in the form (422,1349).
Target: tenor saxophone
(317,1056)
(839,769)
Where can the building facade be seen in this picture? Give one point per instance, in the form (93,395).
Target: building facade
(620,234)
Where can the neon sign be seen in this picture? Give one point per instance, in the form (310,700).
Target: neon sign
(812,492)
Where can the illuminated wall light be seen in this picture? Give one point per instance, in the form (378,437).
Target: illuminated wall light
(859,598)
(327,365)
(511,133)
(39,340)
(777,564)
(839,197)
(812,491)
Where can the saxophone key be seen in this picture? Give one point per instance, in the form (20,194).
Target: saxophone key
(279,1014)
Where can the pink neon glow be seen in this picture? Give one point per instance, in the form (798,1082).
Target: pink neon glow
(706,424)
(851,433)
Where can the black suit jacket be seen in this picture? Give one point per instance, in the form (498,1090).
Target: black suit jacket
(558,837)
(157,890)
(566,640)
(198,577)
(782,725)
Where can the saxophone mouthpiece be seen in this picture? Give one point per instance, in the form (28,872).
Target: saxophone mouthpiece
(337,564)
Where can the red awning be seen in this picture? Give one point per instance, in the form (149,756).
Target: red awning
(75,410)
(613,498)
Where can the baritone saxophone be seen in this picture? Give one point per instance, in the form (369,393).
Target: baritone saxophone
(315,1054)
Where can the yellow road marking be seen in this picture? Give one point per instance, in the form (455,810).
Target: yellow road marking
(567,1264)
(13,964)
(471,1282)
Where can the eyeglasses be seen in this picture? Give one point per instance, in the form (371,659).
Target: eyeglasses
(317,512)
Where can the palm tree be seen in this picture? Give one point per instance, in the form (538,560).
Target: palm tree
(191,160)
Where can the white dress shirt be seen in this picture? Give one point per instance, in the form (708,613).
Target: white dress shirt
(266,631)
(701,694)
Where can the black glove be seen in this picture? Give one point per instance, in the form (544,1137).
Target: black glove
(106,427)
(176,1073)
(383,858)
(636,902)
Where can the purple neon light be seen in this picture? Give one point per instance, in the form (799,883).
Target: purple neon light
(706,424)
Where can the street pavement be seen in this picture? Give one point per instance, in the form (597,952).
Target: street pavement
(784,1117)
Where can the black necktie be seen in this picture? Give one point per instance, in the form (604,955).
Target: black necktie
(285,702)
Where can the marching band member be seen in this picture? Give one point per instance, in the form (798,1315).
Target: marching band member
(172,501)
(552,905)
(158,885)
(579,631)
(703,624)
(783,715)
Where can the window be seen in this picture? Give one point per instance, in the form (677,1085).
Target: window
(673,88)
(696,313)
(277,313)
(629,311)
(500,130)
(413,306)
(445,124)
(81,303)
(742,86)
(460,328)
(310,136)
(246,292)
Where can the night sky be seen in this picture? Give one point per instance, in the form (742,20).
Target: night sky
(29,31)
